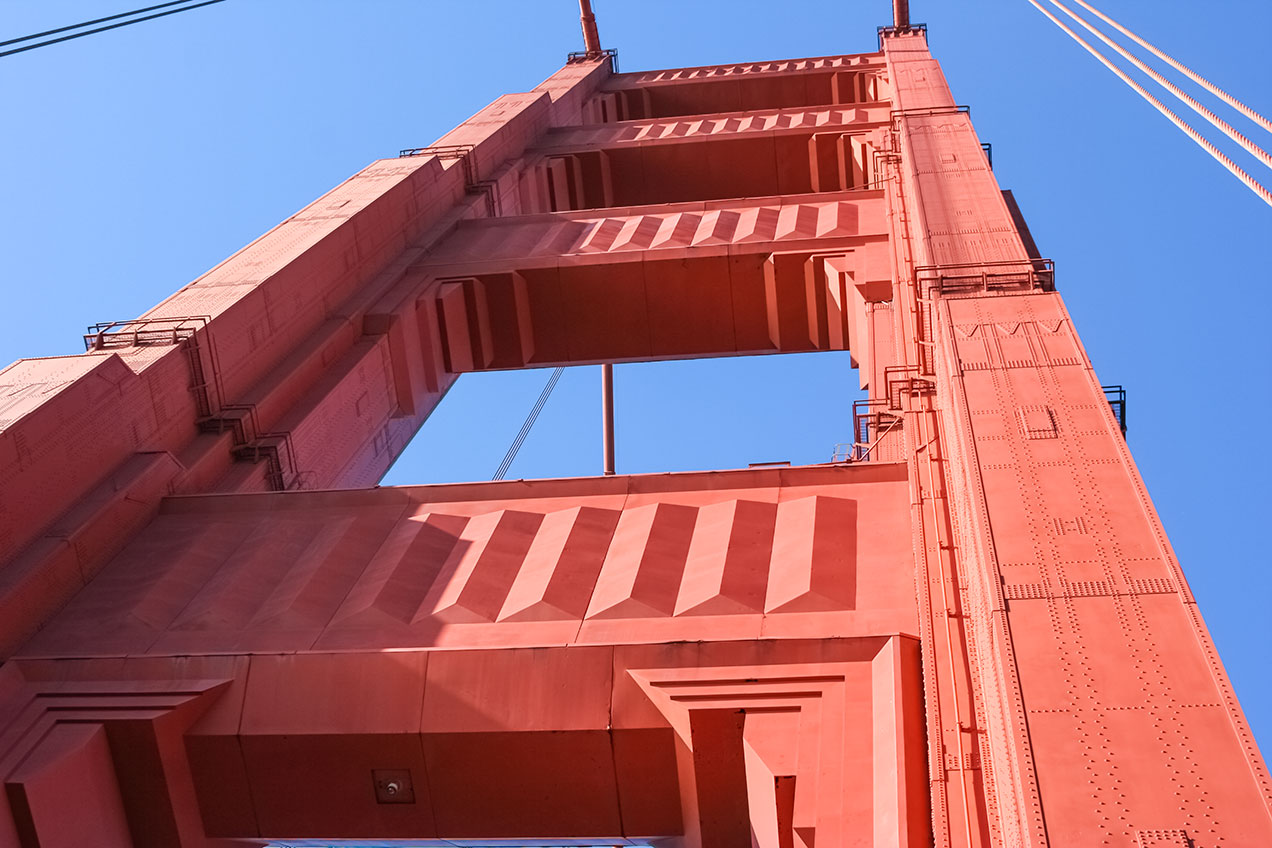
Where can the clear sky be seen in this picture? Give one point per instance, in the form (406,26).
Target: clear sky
(132,161)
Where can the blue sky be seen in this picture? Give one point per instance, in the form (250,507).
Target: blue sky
(134,160)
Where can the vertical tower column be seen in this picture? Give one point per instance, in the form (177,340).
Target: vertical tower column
(1074,696)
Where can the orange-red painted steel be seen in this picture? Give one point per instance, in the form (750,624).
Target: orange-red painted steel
(972,633)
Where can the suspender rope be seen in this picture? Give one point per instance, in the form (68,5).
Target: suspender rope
(1254,150)
(1251,183)
(1183,69)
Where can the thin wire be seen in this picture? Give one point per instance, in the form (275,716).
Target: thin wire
(1182,68)
(529,423)
(103,29)
(1219,157)
(1254,150)
(90,23)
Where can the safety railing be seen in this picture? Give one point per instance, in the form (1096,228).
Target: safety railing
(1116,396)
(908,29)
(585,56)
(141,332)
(978,278)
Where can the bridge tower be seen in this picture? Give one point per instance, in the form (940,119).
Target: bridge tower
(969,631)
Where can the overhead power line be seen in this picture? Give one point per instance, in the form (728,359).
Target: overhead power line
(134,20)
(1235,169)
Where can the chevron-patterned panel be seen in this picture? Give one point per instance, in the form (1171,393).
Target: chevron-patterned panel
(229,573)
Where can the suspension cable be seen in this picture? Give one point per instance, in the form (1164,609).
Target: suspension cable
(27,47)
(1219,157)
(36,35)
(1183,69)
(529,423)
(1227,129)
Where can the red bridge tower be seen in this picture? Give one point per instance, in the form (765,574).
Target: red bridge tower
(970,632)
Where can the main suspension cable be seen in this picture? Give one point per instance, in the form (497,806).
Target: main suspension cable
(1233,167)
(1226,128)
(529,423)
(1182,68)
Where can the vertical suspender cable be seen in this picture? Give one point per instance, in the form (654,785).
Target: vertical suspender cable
(1183,69)
(1253,149)
(607,417)
(1251,183)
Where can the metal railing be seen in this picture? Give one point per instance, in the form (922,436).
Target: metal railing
(460,153)
(585,56)
(872,420)
(141,332)
(1116,396)
(976,278)
(888,31)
